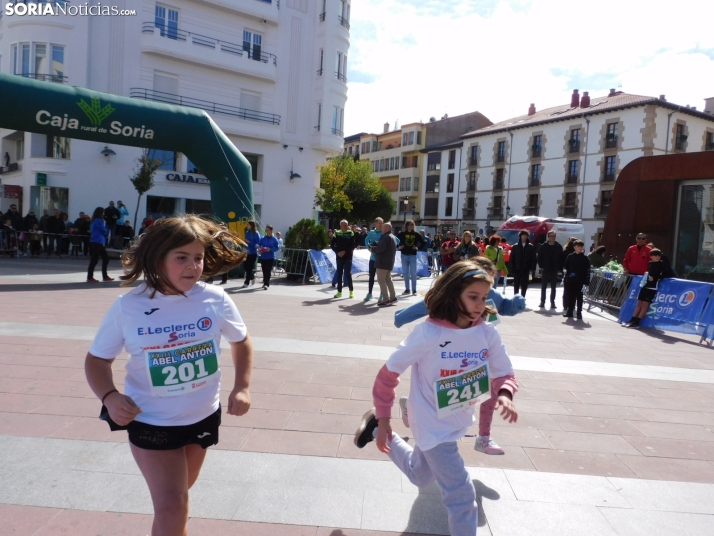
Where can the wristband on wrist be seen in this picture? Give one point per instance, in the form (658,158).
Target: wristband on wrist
(106,395)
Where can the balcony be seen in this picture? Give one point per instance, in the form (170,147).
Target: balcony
(534,182)
(680,143)
(611,141)
(473,161)
(709,146)
(602,210)
(208,51)
(322,16)
(608,177)
(498,184)
(260,10)
(10,168)
(344,22)
(568,211)
(45,77)
(341,77)
(471,186)
(211,107)
(536,151)
(571,179)
(497,212)
(469,214)
(531,211)
(337,132)
(574,146)
(501,158)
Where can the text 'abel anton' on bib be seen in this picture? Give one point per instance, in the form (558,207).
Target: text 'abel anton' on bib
(461,391)
(183,369)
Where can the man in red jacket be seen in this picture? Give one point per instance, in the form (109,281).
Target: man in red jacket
(637,256)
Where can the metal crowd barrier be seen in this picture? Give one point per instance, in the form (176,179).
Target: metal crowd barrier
(297,262)
(607,290)
(9,242)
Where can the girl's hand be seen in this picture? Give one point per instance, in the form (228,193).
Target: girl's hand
(238,402)
(384,433)
(122,409)
(508,409)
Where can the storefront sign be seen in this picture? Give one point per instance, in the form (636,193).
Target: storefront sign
(193,179)
(41,179)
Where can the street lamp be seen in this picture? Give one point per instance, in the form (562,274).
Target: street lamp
(406,204)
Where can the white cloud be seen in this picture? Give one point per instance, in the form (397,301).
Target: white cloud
(413,60)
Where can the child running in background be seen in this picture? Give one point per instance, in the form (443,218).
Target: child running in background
(171,326)
(453,342)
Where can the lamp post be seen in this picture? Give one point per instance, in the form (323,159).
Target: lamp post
(406,204)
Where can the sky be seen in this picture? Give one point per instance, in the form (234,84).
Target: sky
(410,60)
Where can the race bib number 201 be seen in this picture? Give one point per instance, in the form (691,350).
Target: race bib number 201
(462,391)
(182,369)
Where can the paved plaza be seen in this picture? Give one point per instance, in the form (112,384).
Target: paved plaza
(615,434)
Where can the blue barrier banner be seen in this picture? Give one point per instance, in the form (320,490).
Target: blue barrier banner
(360,262)
(707,319)
(678,305)
(324,268)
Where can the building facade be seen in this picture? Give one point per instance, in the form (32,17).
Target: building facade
(272,75)
(560,162)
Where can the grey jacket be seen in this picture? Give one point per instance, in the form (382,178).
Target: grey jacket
(385,252)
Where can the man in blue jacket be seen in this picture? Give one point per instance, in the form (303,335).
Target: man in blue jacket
(252,239)
(267,247)
(372,238)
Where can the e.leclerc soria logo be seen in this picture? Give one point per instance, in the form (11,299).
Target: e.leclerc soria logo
(95,112)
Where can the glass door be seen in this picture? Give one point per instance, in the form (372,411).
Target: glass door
(694,246)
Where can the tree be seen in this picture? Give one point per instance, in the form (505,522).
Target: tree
(143,179)
(348,190)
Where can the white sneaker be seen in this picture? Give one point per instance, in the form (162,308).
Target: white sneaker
(245,285)
(403,406)
(487,445)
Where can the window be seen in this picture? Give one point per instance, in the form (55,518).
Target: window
(418,137)
(575,140)
(472,181)
(191,167)
(405,163)
(23,67)
(415,160)
(450,182)
(319,118)
(709,144)
(431,207)
(404,138)
(409,184)
(535,175)
(433,162)
(470,203)
(610,167)
(340,66)
(573,168)
(40,65)
(322,11)
(167,159)
(449,207)
(570,199)
(452,159)
(605,201)
(569,209)
(497,206)
(501,154)
(532,208)
(473,159)
(322,62)
(681,139)
(379,145)
(253,160)
(402,184)
(537,146)
(411,138)
(20,149)
(498,183)
(57,147)
(432,184)
(611,136)
(160,207)
(166,20)
(198,206)
(338,118)
(252,44)
(415,186)
(374,146)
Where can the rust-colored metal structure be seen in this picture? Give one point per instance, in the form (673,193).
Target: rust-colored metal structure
(645,199)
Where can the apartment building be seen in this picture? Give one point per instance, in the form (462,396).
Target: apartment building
(565,160)
(272,75)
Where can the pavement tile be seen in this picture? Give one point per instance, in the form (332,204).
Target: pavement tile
(92,429)
(553,395)
(36,373)
(257,418)
(674,416)
(540,407)
(292,442)
(692,432)
(347,449)
(573,462)
(515,436)
(514,458)
(702,403)
(610,400)
(362,393)
(87,523)
(528,420)
(286,402)
(80,407)
(33,425)
(316,389)
(345,407)
(23,520)
(282,375)
(588,442)
(346,474)
(332,423)
(327,531)
(595,425)
(220,527)
(423,513)
(604,411)
(257,386)
(58,388)
(342,379)
(647,523)
(22,403)
(686,497)
(14,385)
(232,437)
(673,448)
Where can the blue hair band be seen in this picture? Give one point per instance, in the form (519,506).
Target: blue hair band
(471,273)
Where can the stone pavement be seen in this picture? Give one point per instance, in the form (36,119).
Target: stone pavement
(615,432)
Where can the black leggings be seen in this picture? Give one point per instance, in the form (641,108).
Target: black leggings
(97,250)
(267,266)
(249,268)
(372,273)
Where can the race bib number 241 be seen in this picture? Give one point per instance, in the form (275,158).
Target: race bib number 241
(462,391)
(182,369)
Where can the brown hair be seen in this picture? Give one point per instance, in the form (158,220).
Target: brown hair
(146,255)
(463,236)
(443,300)
(579,243)
(495,240)
(600,250)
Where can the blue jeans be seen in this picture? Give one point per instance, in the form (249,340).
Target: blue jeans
(409,269)
(444,464)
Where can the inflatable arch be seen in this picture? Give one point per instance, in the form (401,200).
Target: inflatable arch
(45,108)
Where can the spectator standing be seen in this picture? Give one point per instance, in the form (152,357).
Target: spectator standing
(385,252)
(360,235)
(372,238)
(28,225)
(111,216)
(43,227)
(343,244)
(15,217)
(267,247)
(597,257)
(496,255)
(447,251)
(409,243)
(637,257)
(97,246)
(252,240)
(55,228)
(81,228)
(549,260)
(127,233)
(468,248)
(523,262)
(577,278)
(657,270)
(35,240)
(123,213)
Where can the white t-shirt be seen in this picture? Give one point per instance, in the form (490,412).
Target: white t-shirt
(435,352)
(165,373)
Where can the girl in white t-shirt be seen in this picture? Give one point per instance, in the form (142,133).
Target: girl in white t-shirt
(171,326)
(448,354)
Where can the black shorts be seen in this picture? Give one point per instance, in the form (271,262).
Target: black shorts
(647,294)
(153,437)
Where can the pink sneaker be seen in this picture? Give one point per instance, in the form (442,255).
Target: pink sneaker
(487,445)
(403,407)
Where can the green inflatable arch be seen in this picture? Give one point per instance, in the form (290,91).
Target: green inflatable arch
(46,108)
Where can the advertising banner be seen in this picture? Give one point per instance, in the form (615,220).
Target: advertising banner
(360,263)
(324,268)
(707,319)
(678,305)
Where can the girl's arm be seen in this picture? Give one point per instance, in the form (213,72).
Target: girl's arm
(412,313)
(384,394)
(122,408)
(242,354)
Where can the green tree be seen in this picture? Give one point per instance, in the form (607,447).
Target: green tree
(143,178)
(349,190)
